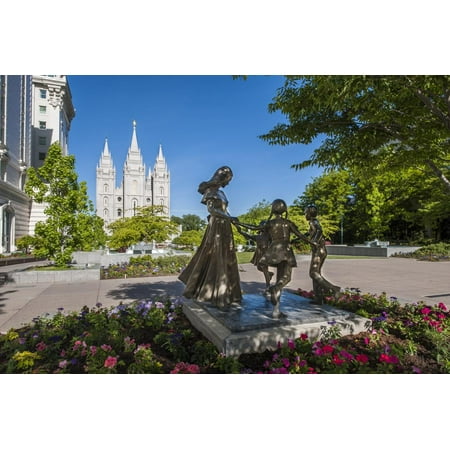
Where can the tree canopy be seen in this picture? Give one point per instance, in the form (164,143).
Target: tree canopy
(71,223)
(147,225)
(189,222)
(360,121)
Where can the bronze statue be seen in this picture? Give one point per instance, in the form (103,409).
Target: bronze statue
(321,286)
(279,252)
(212,275)
(262,240)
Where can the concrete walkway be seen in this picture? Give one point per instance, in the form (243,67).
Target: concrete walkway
(406,279)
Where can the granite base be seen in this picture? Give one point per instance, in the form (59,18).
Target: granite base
(250,328)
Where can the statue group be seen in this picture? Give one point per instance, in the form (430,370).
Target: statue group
(213,275)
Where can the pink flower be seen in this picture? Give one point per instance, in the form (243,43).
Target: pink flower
(286,362)
(41,346)
(291,344)
(346,355)
(110,362)
(442,306)
(363,359)
(106,347)
(425,311)
(183,367)
(62,364)
(93,349)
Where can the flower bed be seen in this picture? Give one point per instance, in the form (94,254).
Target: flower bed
(154,336)
(146,266)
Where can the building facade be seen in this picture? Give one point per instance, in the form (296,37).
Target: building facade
(138,188)
(35,111)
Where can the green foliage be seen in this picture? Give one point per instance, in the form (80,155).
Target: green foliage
(25,243)
(360,121)
(437,251)
(71,224)
(392,206)
(190,222)
(257,213)
(190,239)
(146,226)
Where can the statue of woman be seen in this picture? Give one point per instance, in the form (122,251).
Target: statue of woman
(212,275)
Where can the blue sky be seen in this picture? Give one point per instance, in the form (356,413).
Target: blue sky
(202,122)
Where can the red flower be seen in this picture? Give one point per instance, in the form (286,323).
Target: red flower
(304,337)
(442,306)
(363,359)
(338,361)
(425,311)
(327,349)
(388,359)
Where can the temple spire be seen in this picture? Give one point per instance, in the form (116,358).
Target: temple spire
(106,148)
(134,143)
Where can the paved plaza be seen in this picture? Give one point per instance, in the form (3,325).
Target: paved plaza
(407,279)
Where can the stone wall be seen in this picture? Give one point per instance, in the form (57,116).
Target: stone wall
(31,277)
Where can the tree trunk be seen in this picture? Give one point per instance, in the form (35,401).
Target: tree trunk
(438,172)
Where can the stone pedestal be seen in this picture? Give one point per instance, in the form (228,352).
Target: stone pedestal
(249,327)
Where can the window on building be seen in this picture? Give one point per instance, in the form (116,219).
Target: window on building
(134,205)
(105,187)
(42,156)
(43,93)
(161,191)
(119,213)
(42,140)
(119,199)
(162,202)
(105,213)
(42,109)
(42,125)
(149,200)
(105,201)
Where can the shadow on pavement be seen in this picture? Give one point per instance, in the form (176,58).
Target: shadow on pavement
(3,298)
(144,291)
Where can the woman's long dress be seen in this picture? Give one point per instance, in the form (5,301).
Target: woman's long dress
(212,275)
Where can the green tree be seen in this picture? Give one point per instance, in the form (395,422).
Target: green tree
(71,224)
(257,213)
(189,222)
(190,238)
(146,226)
(363,120)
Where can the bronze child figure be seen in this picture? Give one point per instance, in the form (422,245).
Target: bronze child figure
(279,253)
(321,286)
